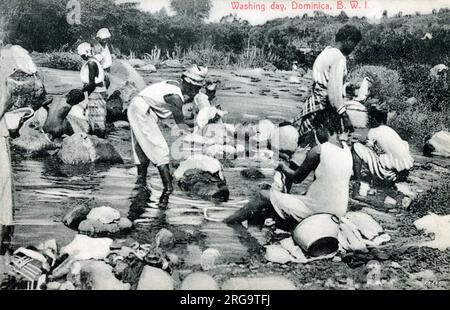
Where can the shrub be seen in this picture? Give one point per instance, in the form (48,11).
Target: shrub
(416,124)
(387,85)
(435,199)
(62,60)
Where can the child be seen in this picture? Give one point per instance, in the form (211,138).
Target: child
(57,124)
(384,152)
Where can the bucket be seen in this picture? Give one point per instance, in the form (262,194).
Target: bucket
(317,235)
(14,118)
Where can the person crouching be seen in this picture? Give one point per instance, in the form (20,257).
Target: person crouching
(160,101)
(383,152)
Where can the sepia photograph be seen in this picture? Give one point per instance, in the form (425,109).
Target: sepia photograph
(226,145)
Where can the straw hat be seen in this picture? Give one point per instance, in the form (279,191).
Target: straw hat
(103,33)
(84,49)
(195,75)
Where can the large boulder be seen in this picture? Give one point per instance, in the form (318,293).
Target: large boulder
(97,228)
(97,275)
(121,94)
(264,283)
(28,89)
(438,145)
(32,140)
(124,71)
(202,176)
(155,279)
(204,185)
(81,148)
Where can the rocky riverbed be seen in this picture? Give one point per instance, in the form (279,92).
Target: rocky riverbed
(46,190)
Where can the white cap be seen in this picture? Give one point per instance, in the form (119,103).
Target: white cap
(84,49)
(103,33)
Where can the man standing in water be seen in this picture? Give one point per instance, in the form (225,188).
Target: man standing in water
(93,77)
(329,72)
(155,102)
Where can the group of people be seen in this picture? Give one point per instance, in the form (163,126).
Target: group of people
(322,124)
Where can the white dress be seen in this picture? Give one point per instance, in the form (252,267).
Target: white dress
(329,192)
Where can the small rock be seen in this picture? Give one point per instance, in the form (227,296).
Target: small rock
(97,275)
(264,283)
(406,202)
(155,279)
(412,101)
(405,189)
(390,201)
(97,228)
(76,216)
(53,286)
(122,124)
(337,259)
(165,239)
(149,68)
(208,259)
(364,189)
(396,265)
(67,286)
(120,267)
(252,173)
(199,281)
(106,215)
(294,79)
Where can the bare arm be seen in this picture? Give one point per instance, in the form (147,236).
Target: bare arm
(310,164)
(176,106)
(336,86)
(93,72)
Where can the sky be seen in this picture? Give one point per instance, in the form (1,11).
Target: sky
(373,10)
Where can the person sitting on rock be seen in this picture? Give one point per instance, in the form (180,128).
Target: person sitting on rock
(384,152)
(57,124)
(93,77)
(331,161)
(156,102)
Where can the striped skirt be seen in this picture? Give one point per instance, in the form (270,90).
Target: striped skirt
(307,114)
(96,112)
(383,166)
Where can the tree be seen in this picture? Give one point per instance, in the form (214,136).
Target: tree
(385,14)
(192,8)
(343,17)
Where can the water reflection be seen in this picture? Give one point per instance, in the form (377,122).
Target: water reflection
(46,190)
